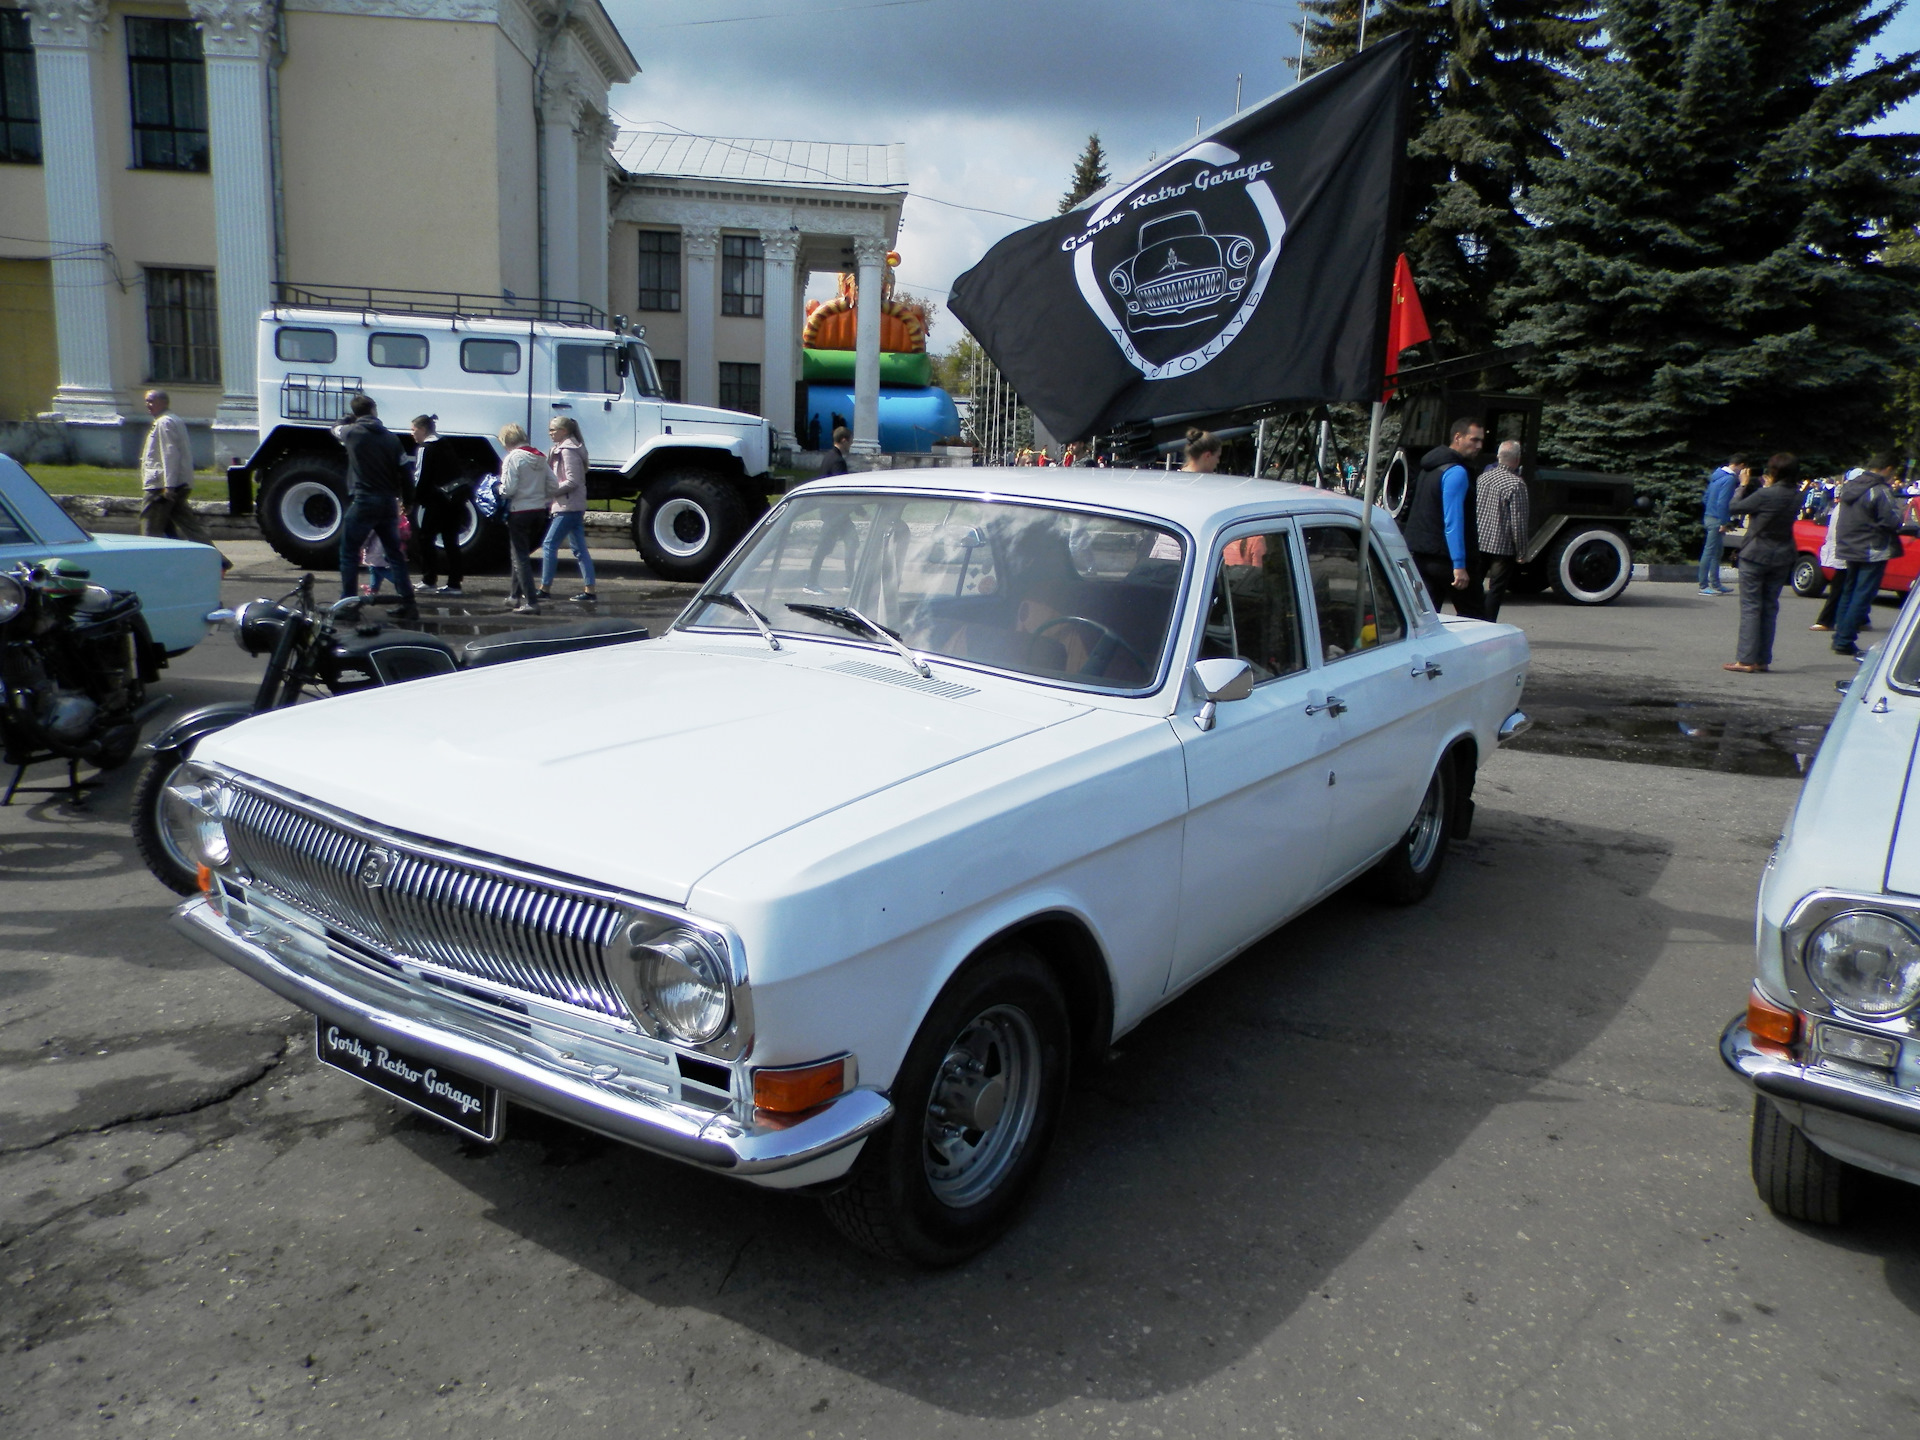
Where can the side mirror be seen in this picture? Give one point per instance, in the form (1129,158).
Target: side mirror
(620,358)
(1220,681)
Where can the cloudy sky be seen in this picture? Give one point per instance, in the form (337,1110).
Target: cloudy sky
(992,98)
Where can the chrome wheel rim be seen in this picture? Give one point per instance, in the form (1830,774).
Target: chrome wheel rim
(310,511)
(985,1097)
(680,528)
(1423,836)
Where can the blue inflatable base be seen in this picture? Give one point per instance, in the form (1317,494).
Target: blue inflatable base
(912,420)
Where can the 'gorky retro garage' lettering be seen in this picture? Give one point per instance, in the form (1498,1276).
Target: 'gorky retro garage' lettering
(1204,180)
(381,1058)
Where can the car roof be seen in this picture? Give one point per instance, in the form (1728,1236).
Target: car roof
(1200,503)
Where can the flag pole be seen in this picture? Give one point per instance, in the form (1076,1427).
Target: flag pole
(1366,523)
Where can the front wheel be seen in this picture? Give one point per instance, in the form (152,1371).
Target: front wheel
(1808,578)
(1590,565)
(157,833)
(302,506)
(686,522)
(1411,869)
(1794,1176)
(976,1103)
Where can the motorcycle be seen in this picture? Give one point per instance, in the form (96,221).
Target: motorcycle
(75,662)
(337,649)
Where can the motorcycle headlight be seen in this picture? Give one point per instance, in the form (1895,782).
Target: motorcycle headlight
(680,977)
(196,806)
(1865,963)
(257,626)
(12,597)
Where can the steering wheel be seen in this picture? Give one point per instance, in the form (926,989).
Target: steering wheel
(1101,653)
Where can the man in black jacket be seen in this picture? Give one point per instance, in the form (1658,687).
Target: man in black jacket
(377,489)
(1441,524)
(442,494)
(1868,521)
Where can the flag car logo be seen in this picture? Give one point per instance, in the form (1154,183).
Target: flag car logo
(1174,266)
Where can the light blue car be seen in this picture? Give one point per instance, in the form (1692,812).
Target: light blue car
(178,582)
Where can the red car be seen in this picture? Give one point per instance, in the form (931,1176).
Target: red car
(1810,577)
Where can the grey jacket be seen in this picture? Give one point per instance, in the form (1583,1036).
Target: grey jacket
(1867,521)
(526,480)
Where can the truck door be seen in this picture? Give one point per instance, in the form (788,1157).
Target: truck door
(589,384)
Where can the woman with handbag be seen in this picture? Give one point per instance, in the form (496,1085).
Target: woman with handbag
(526,484)
(569,520)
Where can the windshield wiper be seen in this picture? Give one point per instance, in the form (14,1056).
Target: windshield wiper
(848,618)
(727,597)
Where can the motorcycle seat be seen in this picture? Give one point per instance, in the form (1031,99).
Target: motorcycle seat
(549,640)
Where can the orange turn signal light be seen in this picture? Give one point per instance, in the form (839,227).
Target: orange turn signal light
(205,879)
(795,1088)
(1771,1022)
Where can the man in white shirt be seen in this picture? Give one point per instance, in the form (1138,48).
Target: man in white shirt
(166,474)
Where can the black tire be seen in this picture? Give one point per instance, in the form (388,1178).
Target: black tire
(1794,1176)
(301,506)
(1407,873)
(483,542)
(686,523)
(1808,578)
(150,831)
(1529,579)
(908,1198)
(1590,564)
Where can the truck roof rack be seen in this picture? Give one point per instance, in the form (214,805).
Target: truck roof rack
(447,304)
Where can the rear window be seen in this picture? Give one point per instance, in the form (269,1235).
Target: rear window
(397,352)
(490,357)
(305,347)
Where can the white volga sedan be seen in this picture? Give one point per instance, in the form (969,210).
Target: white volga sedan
(938,786)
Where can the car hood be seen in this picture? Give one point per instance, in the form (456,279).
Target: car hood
(638,766)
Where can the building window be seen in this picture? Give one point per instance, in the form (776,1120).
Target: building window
(168,83)
(743,277)
(183,328)
(740,386)
(19,92)
(669,373)
(659,270)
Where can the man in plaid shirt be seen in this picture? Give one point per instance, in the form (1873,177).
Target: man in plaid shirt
(1501,517)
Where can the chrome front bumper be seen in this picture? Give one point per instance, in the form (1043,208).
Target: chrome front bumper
(537,1074)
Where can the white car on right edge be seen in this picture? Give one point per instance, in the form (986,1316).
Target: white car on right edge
(1830,1039)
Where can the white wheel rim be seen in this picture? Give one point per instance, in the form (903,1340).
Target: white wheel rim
(1571,556)
(303,499)
(671,518)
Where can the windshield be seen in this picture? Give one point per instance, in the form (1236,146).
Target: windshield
(1062,595)
(646,380)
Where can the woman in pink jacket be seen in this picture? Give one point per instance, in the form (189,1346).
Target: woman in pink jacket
(569,507)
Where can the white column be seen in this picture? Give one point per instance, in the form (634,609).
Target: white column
(559,112)
(776,365)
(596,138)
(702,300)
(871,253)
(67,42)
(236,37)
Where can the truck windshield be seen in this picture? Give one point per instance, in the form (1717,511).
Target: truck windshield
(646,380)
(1062,595)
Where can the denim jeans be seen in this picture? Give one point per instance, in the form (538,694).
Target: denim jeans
(1710,553)
(571,526)
(1860,583)
(366,517)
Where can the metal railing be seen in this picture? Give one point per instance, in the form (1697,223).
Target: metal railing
(446,304)
(317,397)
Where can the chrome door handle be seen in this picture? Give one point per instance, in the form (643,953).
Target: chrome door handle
(1429,670)
(562,405)
(1334,705)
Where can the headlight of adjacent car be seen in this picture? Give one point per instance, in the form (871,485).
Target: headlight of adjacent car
(680,976)
(196,806)
(12,597)
(1865,963)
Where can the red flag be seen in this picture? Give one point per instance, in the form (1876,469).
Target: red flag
(1406,323)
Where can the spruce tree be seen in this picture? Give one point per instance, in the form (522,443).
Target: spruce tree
(1089,175)
(1708,273)
(1489,77)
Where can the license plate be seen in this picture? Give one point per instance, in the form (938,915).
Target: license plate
(448,1096)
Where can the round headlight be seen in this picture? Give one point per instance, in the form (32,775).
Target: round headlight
(1866,963)
(681,977)
(12,597)
(257,625)
(194,805)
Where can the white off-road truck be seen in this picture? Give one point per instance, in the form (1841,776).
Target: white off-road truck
(698,476)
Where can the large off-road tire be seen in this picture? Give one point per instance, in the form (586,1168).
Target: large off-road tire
(483,542)
(1808,578)
(976,1104)
(1396,485)
(1590,564)
(302,504)
(686,522)
(1795,1177)
(1407,873)
(152,834)
(1530,579)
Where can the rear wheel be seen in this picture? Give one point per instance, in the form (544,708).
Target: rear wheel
(301,508)
(1412,868)
(1590,565)
(1794,1176)
(686,522)
(1808,578)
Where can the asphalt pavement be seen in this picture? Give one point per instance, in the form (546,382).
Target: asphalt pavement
(1471,1168)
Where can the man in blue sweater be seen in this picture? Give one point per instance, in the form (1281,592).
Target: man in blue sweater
(1720,487)
(1441,524)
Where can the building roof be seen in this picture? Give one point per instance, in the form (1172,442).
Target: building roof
(770,162)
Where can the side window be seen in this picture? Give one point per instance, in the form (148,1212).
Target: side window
(490,357)
(1416,587)
(587,369)
(305,347)
(1254,612)
(12,532)
(1354,614)
(397,352)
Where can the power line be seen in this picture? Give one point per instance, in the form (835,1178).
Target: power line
(789,14)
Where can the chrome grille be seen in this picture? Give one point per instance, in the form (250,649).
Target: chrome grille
(536,940)
(1192,288)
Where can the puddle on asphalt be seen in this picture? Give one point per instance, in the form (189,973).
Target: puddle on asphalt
(1681,733)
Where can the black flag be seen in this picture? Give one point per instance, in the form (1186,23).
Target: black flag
(1253,266)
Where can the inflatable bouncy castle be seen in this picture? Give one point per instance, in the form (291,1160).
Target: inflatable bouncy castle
(914,415)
